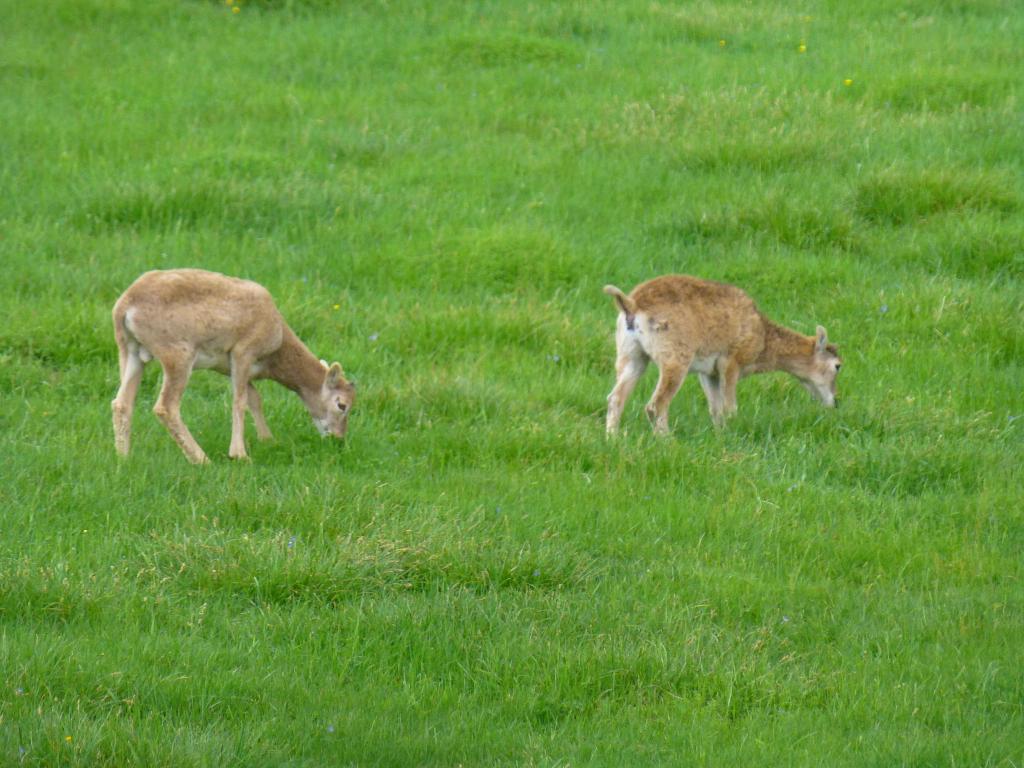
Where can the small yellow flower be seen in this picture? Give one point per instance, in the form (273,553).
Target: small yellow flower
(236,9)
(848,81)
(337,306)
(721,43)
(67,739)
(802,48)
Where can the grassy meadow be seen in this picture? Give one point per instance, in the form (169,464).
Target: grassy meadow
(435,194)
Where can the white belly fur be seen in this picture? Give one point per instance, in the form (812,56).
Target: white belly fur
(217,360)
(703,364)
(221,361)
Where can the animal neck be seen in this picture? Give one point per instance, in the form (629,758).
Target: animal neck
(784,350)
(292,365)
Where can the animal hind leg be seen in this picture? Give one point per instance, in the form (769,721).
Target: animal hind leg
(123,403)
(630,365)
(177,369)
(670,378)
(629,374)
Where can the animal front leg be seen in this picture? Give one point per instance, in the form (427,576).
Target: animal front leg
(239,403)
(729,375)
(712,386)
(256,409)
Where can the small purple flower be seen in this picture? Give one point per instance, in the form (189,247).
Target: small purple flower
(374,336)
(330,729)
(536,572)
(785,619)
(19,691)
(291,541)
(884,308)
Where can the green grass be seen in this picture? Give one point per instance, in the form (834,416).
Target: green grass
(435,193)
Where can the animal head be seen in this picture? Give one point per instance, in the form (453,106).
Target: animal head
(331,408)
(819,374)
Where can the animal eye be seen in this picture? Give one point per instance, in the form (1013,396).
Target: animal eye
(342,407)
(838,366)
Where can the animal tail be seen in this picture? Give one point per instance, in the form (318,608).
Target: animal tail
(626,305)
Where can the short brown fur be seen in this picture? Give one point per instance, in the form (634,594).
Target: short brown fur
(191,318)
(687,324)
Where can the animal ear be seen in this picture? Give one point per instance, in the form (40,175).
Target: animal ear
(334,375)
(323,363)
(822,339)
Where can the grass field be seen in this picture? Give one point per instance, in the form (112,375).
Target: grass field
(435,194)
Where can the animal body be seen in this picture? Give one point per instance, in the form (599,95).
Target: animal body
(191,318)
(686,324)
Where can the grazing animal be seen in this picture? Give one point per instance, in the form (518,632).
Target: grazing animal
(687,324)
(190,318)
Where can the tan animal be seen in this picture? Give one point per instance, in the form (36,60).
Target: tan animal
(190,318)
(687,324)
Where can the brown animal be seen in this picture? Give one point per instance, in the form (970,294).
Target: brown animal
(687,324)
(190,318)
